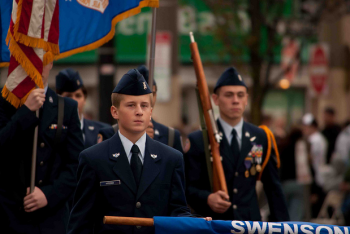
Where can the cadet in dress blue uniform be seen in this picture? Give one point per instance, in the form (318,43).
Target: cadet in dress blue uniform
(239,141)
(129,174)
(45,210)
(157,131)
(69,84)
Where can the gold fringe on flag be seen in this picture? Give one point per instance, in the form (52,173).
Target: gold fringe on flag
(110,35)
(27,40)
(13,99)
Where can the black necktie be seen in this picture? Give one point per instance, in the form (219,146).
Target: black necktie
(234,146)
(136,164)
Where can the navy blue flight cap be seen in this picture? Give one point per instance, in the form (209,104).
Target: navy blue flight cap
(229,77)
(68,80)
(144,71)
(132,83)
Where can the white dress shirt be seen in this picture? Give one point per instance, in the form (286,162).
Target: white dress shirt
(228,131)
(127,144)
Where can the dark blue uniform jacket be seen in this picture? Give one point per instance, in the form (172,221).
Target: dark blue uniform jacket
(161,134)
(55,169)
(160,192)
(241,189)
(90,130)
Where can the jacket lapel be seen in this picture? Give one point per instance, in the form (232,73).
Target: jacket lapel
(246,144)
(49,111)
(121,166)
(151,167)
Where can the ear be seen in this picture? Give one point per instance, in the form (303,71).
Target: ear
(215,98)
(114,112)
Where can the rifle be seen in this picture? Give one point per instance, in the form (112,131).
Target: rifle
(219,181)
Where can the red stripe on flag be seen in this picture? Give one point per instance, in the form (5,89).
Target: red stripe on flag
(13,65)
(54,28)
(24,87)
(26,14)
(32,56)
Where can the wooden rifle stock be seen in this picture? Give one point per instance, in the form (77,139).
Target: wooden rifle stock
(117,220)
(219,181)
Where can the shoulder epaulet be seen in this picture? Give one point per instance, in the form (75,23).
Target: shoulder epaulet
(270,138)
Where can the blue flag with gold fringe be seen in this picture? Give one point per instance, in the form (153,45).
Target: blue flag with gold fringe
(83,24)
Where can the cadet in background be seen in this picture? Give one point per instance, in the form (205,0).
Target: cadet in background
(59,143)
(69,84)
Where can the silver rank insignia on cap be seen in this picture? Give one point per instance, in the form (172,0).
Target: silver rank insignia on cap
(91,128)
(156,132)
(116,155)
(78,82)
(144,85)
(253,138)
(247,134)
(50,99)
(154,156)
(239,77)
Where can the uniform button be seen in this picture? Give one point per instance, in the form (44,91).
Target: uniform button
(40,182)
(42,144)
(234,207)
(138,204)
(235,190)
(236,173)
(138,227)
(42,163)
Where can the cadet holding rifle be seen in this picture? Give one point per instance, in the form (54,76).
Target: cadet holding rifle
(243,149)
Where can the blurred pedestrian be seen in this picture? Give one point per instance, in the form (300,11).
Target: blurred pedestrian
(318,152)
(330,131)
(295,175)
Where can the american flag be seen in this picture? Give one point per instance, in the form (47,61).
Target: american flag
(33,43)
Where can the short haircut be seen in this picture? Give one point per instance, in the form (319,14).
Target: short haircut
(83,89)
(118,97)
(217,91)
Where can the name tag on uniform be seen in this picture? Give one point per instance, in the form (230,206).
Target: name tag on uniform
(109,183)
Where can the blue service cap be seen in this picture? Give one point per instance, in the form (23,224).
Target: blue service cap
(144,71)
(229,77)
(132,83)
(68,80)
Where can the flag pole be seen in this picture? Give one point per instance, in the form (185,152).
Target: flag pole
(33,169)
(153,48)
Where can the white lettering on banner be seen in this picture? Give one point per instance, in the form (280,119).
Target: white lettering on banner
(238,226)
(272,228)
(288,229)
(256,226)
(337,230)
(318,229)
(306,231)
(346,230)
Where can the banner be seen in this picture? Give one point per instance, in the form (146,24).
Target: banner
(83,24)
(176,225)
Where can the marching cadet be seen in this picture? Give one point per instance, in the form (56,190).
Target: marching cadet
(69,84)
(129,174)
(240,142)
(155,130)
(59,143)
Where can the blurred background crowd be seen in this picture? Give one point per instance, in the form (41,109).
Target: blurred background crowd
(294,55)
